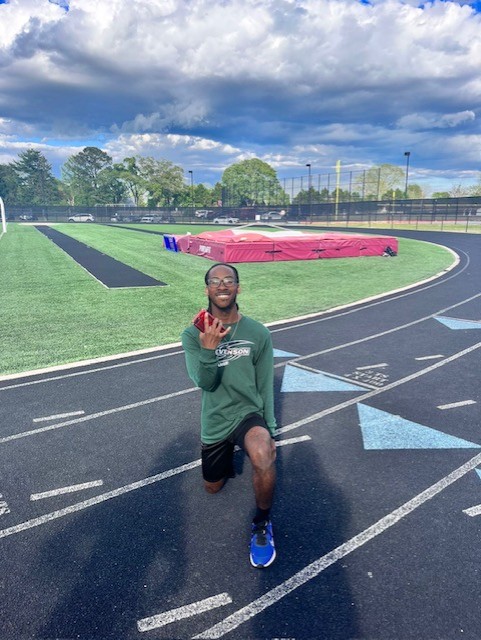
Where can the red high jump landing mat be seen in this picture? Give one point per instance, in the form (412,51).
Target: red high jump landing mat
(251,245)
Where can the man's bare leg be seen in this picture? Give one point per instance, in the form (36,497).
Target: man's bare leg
(261,450)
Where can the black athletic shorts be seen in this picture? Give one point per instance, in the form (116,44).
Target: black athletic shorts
(217,458)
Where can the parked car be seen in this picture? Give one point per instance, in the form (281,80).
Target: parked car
(273,215)
(28,217)
(226,220)
(149,219)
(81,217)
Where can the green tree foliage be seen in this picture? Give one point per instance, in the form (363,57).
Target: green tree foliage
(379,182)
(163,181)
(91,179)
(440,194)
(128,172)
(8,184)
(415,192)
(35,183)
(251,182)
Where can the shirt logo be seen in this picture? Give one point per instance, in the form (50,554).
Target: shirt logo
(233,350)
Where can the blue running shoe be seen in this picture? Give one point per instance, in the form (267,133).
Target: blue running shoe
(263,551)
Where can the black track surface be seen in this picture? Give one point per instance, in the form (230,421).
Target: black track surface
(110,272)
(372,544)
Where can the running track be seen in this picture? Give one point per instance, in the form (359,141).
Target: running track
(106,532)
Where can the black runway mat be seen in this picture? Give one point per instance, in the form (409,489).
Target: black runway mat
(110,272)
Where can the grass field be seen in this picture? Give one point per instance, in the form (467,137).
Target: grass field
(54,312)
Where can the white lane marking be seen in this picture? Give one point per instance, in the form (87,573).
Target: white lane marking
(4,508)
(161,619)
(372,366)
(374,335)
(436,357)
(375,392)
(85,363)
(93,416)
(283,443)
(61,490)
(315,568)
(453,405)
(318,317)
(473,511)
(293,425)
(381,298)
(294,363)
(59,415)
(79,506)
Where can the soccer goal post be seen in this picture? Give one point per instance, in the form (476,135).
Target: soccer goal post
(2,215)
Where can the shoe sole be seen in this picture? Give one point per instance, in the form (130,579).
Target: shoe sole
(263,566)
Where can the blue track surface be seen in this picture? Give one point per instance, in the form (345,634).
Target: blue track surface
(379,482)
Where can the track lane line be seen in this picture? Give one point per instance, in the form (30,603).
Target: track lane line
(312,570)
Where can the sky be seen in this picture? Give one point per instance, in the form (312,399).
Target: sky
(206,83)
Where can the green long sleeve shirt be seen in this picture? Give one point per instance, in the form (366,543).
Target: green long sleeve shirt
(236,379)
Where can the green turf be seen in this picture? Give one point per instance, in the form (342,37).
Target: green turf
(53,311)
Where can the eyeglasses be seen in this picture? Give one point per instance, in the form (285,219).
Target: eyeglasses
(216,282)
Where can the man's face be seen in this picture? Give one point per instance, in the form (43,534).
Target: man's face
(222,295)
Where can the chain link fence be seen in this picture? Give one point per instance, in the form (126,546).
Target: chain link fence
(458,211)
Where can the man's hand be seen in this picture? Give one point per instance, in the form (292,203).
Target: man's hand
(213,334)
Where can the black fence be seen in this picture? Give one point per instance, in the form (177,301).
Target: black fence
(466,210)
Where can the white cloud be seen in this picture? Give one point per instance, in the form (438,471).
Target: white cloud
(205,83)
(435,120)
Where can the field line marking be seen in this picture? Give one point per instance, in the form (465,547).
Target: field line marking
(473,511)
(139,484)
(161,619)
(381,365)
(374,335)
(93,416)
(79,506)
(59,415)
(61,490)
(375,392)
(315,568)
(453,405)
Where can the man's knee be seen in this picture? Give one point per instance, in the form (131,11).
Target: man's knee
(261,449)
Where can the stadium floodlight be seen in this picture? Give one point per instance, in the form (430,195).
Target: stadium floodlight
(2,215)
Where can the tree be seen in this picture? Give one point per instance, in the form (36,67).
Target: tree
(415,192)
(128,172)
(8,183)
(90,177)
(380,180)
(458,191)
(475,190)
(203,197)
(163,180)
(36,185)
(440,194)
(252,182)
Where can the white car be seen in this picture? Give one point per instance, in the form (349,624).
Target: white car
(149,219)
(272,215)
(226,220)
(81,217)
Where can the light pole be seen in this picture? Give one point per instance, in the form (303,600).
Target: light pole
(308,165)
(192,188)
(407,154)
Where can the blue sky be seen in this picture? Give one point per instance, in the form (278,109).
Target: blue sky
(206,83)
